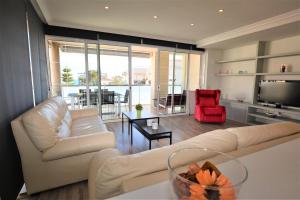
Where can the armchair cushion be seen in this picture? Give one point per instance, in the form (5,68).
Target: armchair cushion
(207,101)
(217,110)
(73,146)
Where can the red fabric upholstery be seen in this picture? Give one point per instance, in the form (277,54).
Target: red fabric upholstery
(217,110)
(207,101)
(207,108)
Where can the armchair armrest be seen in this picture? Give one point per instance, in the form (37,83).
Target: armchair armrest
(78,145)
(84,113)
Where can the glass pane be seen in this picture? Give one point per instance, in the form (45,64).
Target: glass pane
(180,74)
(143,75)
(114,81)
(93,78)
(67,67)
(165,82)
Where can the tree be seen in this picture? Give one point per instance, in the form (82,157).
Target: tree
(93,77)
(118,80)
(67,76)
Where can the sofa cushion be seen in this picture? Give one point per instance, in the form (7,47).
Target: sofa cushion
(217,110)
(64,130)
(74,146)
(42,124)
(112,173)
(251,135)
(87,125)
(68,118)
(207,101)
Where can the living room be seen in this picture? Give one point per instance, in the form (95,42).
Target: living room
(108,99)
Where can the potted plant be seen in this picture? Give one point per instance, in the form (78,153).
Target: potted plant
(139,109)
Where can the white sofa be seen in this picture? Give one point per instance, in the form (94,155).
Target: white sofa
(112,173)
(56,145)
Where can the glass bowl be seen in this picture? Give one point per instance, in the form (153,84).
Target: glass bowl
(183,188)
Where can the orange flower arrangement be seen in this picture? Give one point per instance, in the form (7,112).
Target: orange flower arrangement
(205,177)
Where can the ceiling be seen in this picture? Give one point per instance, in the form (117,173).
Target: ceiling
(135,17)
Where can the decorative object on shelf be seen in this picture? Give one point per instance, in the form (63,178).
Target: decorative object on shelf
(243,72)
(241,98)
(283,68)
(139,109)
(202,179)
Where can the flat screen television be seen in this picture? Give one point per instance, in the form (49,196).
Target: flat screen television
(279,93)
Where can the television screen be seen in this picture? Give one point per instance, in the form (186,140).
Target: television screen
(280,92)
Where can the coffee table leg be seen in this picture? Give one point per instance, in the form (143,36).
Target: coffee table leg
(122,123)
(170,138)
(149,144)
(131,132)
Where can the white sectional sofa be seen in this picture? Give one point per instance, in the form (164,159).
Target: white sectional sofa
(112,173)
(56,145)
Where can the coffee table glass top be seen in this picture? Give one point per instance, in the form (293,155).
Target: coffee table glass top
(161,129)
(132,115)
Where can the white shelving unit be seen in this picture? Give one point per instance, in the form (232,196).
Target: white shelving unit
(261,68)
(258,114)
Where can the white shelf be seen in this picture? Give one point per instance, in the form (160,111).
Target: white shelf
(236,60)
(279,55)
(245,74)
(260,57)
(266,117)
(275,74)
(261,74)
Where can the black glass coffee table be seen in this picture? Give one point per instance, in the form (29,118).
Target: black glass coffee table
(133,117)
(152,134)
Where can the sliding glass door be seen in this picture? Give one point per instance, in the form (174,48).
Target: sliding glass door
(115,90)
(114,77)
(172,78)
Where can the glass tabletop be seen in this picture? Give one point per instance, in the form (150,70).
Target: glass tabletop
(132,115)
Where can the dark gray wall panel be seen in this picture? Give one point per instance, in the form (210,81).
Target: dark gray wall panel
(16,90)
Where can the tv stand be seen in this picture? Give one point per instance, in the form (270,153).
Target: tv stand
(262,114)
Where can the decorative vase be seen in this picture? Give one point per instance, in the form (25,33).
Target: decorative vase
(138,113)
(235,172)
(282,68)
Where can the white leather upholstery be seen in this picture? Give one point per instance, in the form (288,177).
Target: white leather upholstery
(129,172)
(111,173)
(257,134)
(56,148)
(73,146)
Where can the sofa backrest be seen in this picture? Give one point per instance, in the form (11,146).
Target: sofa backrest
(43,122)
(120,168)
(252,135)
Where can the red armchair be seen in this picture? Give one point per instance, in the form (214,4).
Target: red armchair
(207,108)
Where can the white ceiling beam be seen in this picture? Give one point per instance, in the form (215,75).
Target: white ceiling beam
(276,21)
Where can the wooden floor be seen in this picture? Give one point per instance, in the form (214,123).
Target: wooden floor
(183,127)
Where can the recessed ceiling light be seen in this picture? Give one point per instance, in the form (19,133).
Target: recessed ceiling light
(155,16)
(192,24)
(220,10)
(106,7)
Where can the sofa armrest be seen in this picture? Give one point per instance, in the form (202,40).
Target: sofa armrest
(96,164)
(73,146)
(84,113)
